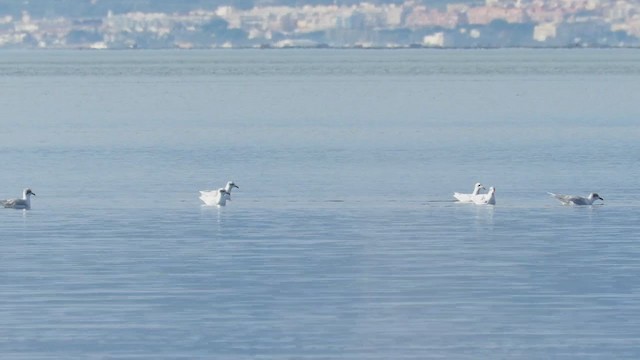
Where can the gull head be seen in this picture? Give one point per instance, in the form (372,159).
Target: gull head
(595,196)
(476,188)
(28,192)
(232,185)
(224,195)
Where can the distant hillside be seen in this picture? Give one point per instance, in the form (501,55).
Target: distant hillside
(98,8)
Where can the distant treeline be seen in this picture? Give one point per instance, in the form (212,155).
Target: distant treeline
(99,8)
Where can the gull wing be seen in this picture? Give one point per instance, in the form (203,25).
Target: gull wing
(463,197)
(14,203)
(570,199)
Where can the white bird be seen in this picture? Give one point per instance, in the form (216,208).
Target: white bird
(577,200)
(218,197)
(20,204)
(486,199)
(468,198)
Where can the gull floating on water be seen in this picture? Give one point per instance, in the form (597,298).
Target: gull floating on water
(486,199)
(218,197)
(20,204)
(577,200)
(468,198)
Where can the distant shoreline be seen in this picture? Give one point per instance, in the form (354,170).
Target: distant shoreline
(320,48)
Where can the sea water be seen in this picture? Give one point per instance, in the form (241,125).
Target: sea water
(343,240)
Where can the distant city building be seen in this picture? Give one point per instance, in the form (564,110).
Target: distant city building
(494,23)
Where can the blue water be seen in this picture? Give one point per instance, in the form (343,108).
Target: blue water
(343,241)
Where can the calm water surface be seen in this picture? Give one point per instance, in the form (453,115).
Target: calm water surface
(343,241)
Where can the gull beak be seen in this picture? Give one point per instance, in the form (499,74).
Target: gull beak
(600,198)
(236,186)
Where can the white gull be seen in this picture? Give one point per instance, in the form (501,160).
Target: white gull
(468,198)
(20,204)
(577,200)
(486,199)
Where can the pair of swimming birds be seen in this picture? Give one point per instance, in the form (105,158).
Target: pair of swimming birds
(490,198)
(218,197)
(476,197)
